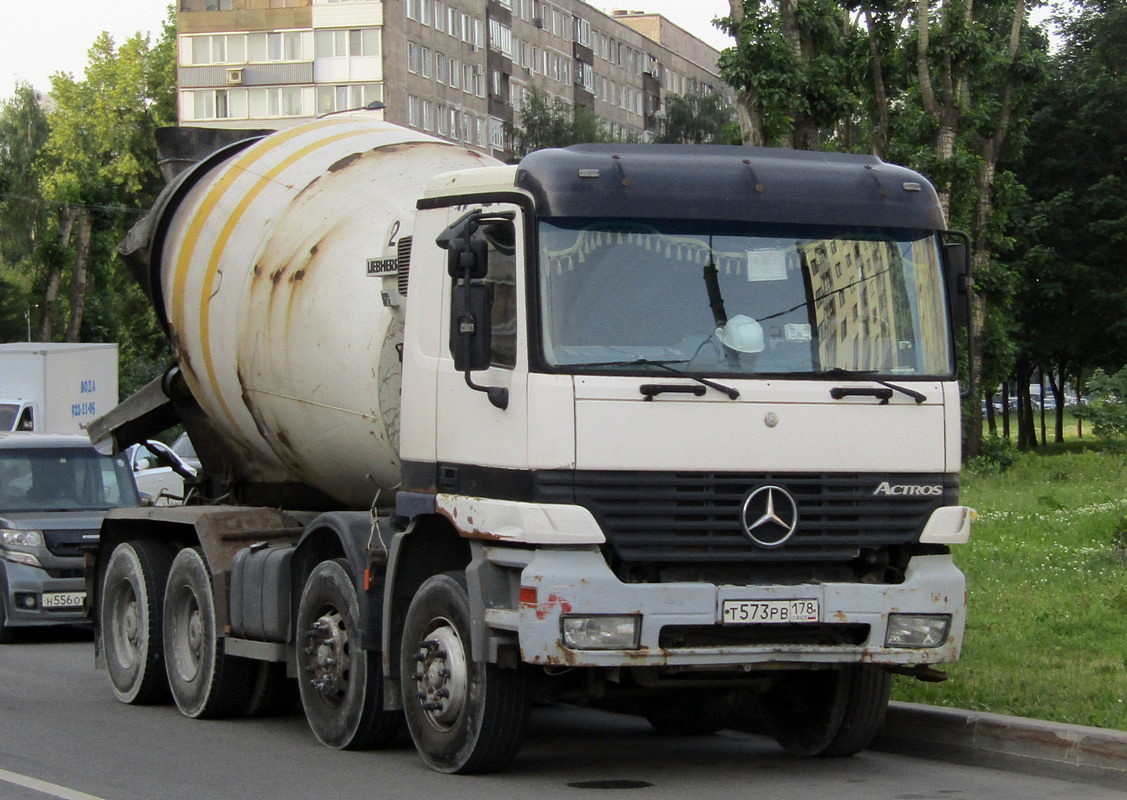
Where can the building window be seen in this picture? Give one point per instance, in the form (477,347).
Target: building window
(427,63)
(283,101)
(414,9)
(344,43)
(440,17)
(349,96)
(440,72)
(501,37)
(284,46)
(428,115)
(414,111)
(496,133)
(583,31)
(414,57)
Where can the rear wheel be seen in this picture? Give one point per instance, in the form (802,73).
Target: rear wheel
(341,684)
(205,681)
(828,713)
(464,716)
(130,620)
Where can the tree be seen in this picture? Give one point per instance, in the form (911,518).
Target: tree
(99,168)
(697,118)
(549,121)
(794,66)
(23,213)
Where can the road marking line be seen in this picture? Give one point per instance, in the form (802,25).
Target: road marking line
(43,787)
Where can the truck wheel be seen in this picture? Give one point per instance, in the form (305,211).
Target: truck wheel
(130,618)
(464,716)
(340,683)
(828,713)
(689,713)
(273,693)
(205,682)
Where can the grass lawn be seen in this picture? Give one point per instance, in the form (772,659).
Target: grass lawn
(1047,580)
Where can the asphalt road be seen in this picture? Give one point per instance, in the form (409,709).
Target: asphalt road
(62,735)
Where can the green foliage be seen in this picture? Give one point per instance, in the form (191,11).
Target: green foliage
(997,455)
(1106,408)
(697,118)
(549,121)
(1047,600)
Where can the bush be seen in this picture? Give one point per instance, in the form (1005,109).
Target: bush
(997,455)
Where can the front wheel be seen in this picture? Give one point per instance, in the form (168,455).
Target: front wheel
(130,620)
(828,712)
(340,683)
(464,716)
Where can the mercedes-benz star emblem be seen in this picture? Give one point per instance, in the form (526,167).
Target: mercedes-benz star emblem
(769,516)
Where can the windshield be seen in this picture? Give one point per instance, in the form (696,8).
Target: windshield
(742,299)
(8,416)
(63,479)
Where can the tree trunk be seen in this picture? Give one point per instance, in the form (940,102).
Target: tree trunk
(879,145)
(67,217)
(79,281)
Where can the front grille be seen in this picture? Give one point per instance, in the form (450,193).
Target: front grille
(678,518)
(69,543)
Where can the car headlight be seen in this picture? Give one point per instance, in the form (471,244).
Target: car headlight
(14,538)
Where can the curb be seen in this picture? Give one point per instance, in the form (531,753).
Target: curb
(1073,752)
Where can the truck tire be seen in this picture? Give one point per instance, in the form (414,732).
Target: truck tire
(205,682)
(130,615)
(689,713)
(272,693)
(341,684)
(464,716)
(829,712)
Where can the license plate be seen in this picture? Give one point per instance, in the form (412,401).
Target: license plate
(738,612)
(63,599)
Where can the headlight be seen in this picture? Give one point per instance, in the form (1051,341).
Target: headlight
(603,632)
(917,630)
(21,538)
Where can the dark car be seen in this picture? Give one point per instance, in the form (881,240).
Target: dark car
(54,491)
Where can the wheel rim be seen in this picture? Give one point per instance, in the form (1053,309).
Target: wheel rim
(187,634)
(126,633)
(441,675)
(329,653)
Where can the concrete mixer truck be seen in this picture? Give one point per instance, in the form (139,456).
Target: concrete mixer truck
(671,429)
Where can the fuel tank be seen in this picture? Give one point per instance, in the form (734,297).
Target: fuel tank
(260,271)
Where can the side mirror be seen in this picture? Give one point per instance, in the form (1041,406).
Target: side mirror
(470,330)
(957,256)
(467,260)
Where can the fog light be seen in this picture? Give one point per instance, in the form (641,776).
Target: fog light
(28,601)
(604,632)
(917,630)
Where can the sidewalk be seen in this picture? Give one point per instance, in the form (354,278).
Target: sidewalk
(1071,752)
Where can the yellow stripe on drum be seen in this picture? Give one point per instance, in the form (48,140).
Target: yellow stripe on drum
(225,233)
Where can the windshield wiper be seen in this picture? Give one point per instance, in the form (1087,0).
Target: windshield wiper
(869,375)
(646,362)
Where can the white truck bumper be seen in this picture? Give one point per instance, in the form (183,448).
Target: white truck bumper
(569,584)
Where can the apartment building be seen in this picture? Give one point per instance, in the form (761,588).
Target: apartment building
(458,69)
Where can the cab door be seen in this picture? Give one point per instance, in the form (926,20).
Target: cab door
(482,407)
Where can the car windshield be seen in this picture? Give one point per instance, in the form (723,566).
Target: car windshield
(63,479)
(8,416)
(742,299)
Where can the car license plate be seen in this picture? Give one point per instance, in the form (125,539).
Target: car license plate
(63,599)
(738,612)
